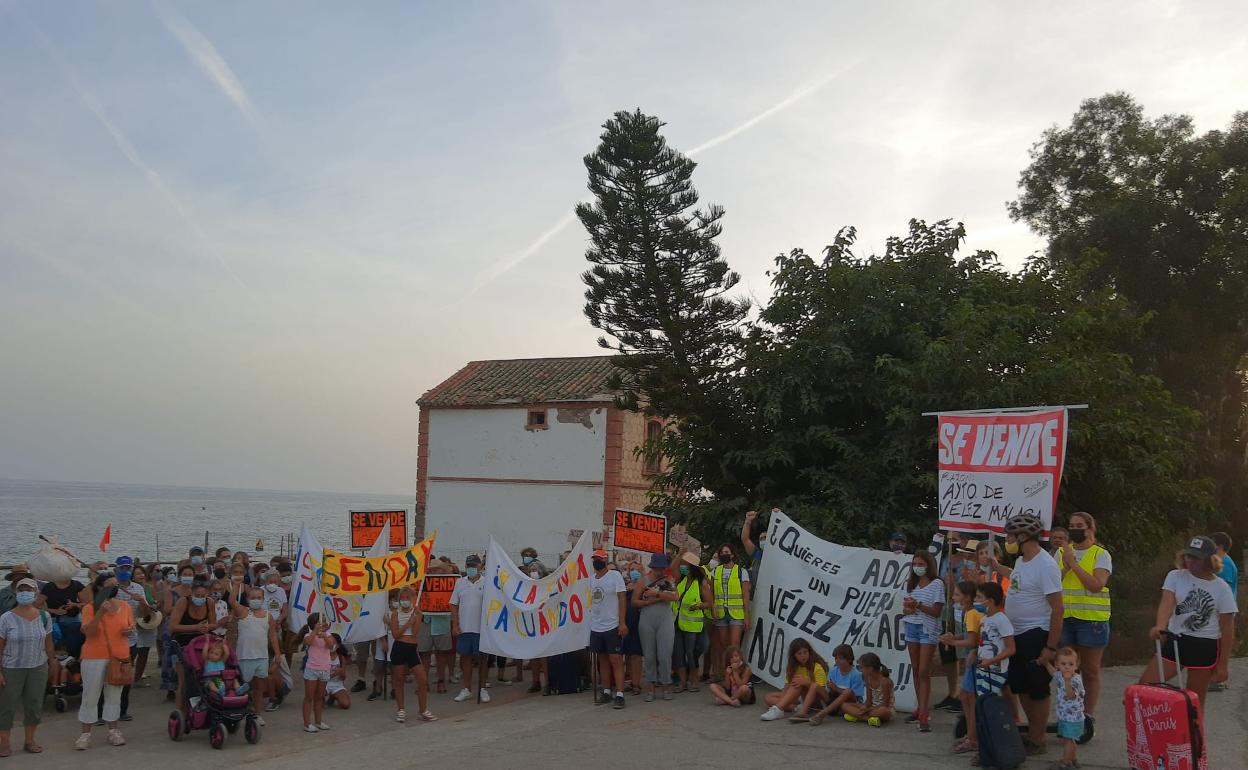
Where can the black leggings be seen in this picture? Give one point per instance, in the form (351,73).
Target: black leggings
(689,648)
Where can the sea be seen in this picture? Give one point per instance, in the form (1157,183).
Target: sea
(162,522)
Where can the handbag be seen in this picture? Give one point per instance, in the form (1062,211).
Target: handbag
(120,671)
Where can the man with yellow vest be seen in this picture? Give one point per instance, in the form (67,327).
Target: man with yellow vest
(1086,568)
(693,600)
(730,584)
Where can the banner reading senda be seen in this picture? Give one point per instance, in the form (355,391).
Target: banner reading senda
(830,595)
(528,618)
(354,617)
(993,467)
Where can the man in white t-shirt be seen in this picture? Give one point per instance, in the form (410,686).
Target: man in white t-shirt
(607,628)
(466,601)
(1034,608)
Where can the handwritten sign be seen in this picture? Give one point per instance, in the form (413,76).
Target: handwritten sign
(527,618)
(994,467)
(645,532)
(437,593)
(342,574)
(366,526)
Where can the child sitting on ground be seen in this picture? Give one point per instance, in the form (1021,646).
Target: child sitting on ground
(965,640)
(738,686)
(215,679)
(877,707)
(806,677)
(845,684)
(1070,695)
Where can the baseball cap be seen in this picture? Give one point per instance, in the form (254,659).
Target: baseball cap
(472,561)
(898,536)
(196,549)
(600,554)
(1201,547)
(124,561)
(26,582)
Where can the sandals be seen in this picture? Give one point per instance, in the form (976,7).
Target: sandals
(963,746)
(401,716)
(816,720)
(427,716)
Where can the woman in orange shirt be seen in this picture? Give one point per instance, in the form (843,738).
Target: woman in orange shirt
(106,624)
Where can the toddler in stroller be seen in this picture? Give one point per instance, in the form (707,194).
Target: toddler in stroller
(215,699)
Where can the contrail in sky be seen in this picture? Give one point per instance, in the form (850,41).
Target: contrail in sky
(205,55)
(123,143)
(497,270)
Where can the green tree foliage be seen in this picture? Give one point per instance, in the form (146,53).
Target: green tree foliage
(1159,215)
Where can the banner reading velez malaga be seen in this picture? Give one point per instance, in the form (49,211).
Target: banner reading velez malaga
(995,466)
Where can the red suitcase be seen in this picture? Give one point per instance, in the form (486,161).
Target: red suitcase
(1165,726)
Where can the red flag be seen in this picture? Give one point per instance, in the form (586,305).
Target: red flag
(108,538)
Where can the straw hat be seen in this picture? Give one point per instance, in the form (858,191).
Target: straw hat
(152,622)
(691,558)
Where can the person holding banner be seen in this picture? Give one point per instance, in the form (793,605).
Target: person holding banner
(730,585)
(693,594)
(922,606)
(1086,568)
(653,596)
(404,624)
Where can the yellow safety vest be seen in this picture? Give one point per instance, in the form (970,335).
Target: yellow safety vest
(731,601)
(1080,603)
(688,616)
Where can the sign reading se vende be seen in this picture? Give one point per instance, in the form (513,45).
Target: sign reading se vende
(645,532)
(366,527)
(436,596)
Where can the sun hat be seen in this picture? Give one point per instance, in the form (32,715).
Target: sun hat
(149,623)
(688,557)
(659,561)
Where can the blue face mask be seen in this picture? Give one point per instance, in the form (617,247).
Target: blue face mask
(186,581)
(197,560)
(255,604)
(124,575)
(980,607)
(25,597)
(634,575)
(199,601)
(528,560)
(472,572)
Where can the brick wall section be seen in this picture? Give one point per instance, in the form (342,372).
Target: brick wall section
(614,458)
(422,475)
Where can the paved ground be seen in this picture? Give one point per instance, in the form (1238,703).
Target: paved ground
(518,730)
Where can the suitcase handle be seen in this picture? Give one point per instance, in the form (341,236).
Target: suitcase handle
(1161,664)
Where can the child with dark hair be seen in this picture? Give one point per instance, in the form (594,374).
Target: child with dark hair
(877,707)
(845,684)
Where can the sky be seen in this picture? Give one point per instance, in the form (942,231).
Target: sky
(238,240)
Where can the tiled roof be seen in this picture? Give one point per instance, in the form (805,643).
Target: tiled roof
(524,381)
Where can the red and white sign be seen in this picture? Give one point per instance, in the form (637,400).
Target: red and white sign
(995,466)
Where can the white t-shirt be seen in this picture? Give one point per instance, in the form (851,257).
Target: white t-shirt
(1198,604)
(468,596)
(1033,581)
(604,607)
(931,594)
(992,632)
(1103,559)
(274,601)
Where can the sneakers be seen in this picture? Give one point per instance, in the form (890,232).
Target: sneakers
(601,697)
(772,714)
(504,680)
(271,705)
(358,686)
(485,696)
(464,695)
(83,742)
(619,701)
(947,704)
(372,696)
(400,716)
(875,722)
(913,718)
(322,726)
(925,723)
(648,697)
(310,729)
(956,708)
(260,720)
(535,687)
(427,716)
(115,738)
(667,695)
(851,718)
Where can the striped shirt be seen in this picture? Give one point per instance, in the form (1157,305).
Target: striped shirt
(24,645)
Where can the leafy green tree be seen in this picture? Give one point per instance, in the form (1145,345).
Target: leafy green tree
(1159,216)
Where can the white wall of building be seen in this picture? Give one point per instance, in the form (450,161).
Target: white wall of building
(466,514)
(493,443)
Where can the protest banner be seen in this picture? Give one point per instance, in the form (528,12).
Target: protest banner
(356,617)
(436,596)
(344,574)
(645,532)
(827,594)
(366,525)
(523,617)
(996,466)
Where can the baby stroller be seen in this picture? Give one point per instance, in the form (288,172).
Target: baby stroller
(219,713)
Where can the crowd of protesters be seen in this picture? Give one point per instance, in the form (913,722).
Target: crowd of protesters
(660,625)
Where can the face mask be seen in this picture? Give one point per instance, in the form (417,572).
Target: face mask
(472,572)
(980,607)
(199,601)
(216,594)
(405,604)
(1011,548)
(124,575)
(394,605)
(599,564)
(238,577)
(1078,535)
(255,604)
(287,579)
(271,588)
(684,569)
(919,571)
(186,581)
(536,574)
(25,597)
(528,560)
(197,560)
(634,575)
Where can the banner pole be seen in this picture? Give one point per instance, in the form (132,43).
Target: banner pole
(1006,410)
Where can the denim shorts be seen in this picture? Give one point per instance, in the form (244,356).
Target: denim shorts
(1085,633)
(312,675)
(468,644)
(1071,731)
(968,678)
(728,621)
(916,633)
(253,668)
